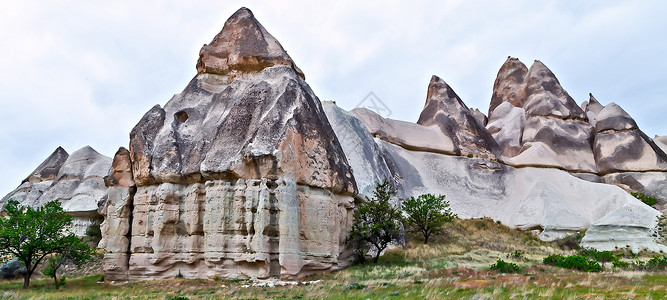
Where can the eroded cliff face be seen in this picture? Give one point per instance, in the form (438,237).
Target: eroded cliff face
(249,228)
(240,175)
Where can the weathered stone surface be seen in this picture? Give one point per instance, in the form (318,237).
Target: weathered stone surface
(510,84)
(120,173)
(661,142)
(551,142)
(546,97)
(549,200)
(78,185)
(243,228)
(543,126)
(506,126)
(240,175)
(613,117)
(407,135)
(480,117)
(48,170)
(266,127)
(445,110)
(545,199)
(653,184)
(639,224)
(38,181)
(591,107)
(242,48)
(363,155)
(620,145)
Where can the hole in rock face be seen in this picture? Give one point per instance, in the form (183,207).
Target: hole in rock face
(181,116)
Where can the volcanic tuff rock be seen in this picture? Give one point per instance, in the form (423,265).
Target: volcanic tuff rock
(75,180)
(543,126)
(549,200)
(237,176)
(445,110)
(246,174)
(360,150)
(661,141)
(243,47)
(621,146)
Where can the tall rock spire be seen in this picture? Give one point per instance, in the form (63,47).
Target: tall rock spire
(446,110)
(244,160)
(243,46)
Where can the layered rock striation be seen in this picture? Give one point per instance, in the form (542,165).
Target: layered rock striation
(239,175)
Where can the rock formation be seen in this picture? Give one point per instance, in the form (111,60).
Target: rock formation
(545,199)
(242,49)
(75,180)
(240,175)
(445,110)
(245,173)
(536,122)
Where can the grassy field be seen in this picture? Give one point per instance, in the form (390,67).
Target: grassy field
(455,266)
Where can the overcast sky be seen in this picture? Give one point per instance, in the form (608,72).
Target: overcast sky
(76,73)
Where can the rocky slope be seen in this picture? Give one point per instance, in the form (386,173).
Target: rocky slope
(75,180)
(240,175)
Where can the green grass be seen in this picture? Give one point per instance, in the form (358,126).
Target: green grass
(455,266)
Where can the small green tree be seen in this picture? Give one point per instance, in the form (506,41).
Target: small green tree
(78,252)
(377,223)
(427,213)
(32,234)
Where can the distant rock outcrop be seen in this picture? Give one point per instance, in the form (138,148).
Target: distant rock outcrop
(75,180)
(234,178)
(541,125)
(545,199)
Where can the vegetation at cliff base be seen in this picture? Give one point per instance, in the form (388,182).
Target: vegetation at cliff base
(427,213)
(35,234)
(455,264)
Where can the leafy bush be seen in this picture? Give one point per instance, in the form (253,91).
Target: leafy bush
(517,255)
(657,263)
(355,286)
(506,267)
(648,200)
(570,242)
(575,262)
(377,223)
(427,214)
(600,256)
(94,231)
(620,264)
(553,260)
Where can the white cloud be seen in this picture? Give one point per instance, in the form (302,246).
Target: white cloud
(80,72)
